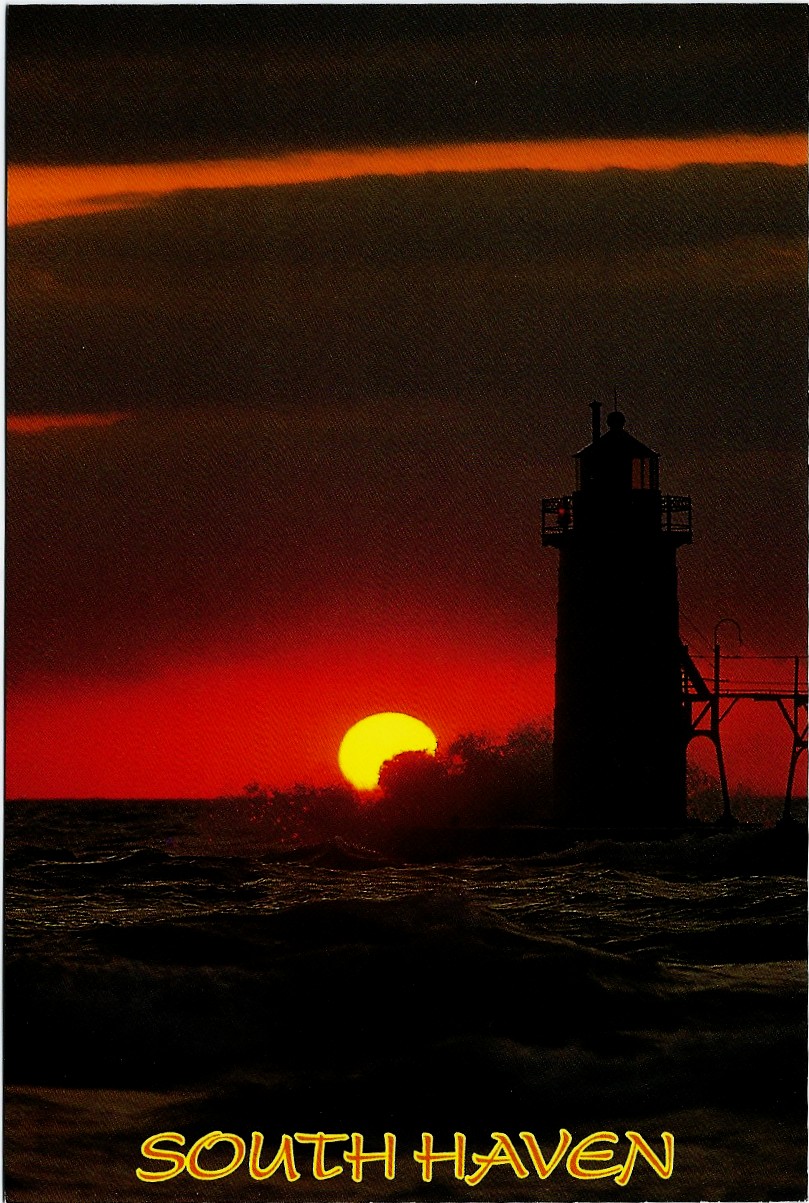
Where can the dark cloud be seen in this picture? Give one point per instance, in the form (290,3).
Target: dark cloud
(526,286)
(349,398)
(508,216)
(120,83)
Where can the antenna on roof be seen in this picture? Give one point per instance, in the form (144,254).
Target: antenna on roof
(595,406)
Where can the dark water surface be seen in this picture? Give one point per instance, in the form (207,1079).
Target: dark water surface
(164,973)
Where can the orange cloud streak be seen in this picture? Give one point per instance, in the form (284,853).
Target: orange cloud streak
(42,193)
(39,423)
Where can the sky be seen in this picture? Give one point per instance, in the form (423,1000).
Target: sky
(306,307)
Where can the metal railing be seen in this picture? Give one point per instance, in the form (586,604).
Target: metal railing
(559,516)
(675,514)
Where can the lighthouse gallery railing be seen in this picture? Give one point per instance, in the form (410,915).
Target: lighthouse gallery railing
(559,516)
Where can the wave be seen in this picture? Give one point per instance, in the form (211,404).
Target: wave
(432,995)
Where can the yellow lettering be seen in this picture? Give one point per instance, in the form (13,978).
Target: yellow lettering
(357,1158)
(426,1157)
(638,1145)
(208,1142)
(545,1168)
(285,1156)
(582,1151)
(148,1150)
(503,1153)
(319,1140)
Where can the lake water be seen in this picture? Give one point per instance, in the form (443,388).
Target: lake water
(165,973)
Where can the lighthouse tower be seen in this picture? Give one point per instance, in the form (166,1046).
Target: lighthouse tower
(620,723)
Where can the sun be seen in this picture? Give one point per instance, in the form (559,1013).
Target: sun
(373,740)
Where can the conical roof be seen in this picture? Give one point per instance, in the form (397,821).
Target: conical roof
(615,444)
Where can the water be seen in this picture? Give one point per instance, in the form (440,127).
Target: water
(193,978)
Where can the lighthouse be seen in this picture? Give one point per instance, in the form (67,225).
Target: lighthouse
(620,719)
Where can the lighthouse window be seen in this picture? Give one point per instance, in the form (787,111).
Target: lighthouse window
(644,473)
(640,474)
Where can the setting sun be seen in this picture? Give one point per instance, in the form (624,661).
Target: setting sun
(373,740)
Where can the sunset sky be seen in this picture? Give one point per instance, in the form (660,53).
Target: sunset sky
(306,306)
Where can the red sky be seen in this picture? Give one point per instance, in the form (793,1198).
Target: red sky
(200,724)
(206,729)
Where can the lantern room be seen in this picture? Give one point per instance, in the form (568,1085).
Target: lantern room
(617,490)
(615,462)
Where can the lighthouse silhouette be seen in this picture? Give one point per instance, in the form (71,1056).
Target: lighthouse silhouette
(620,721)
